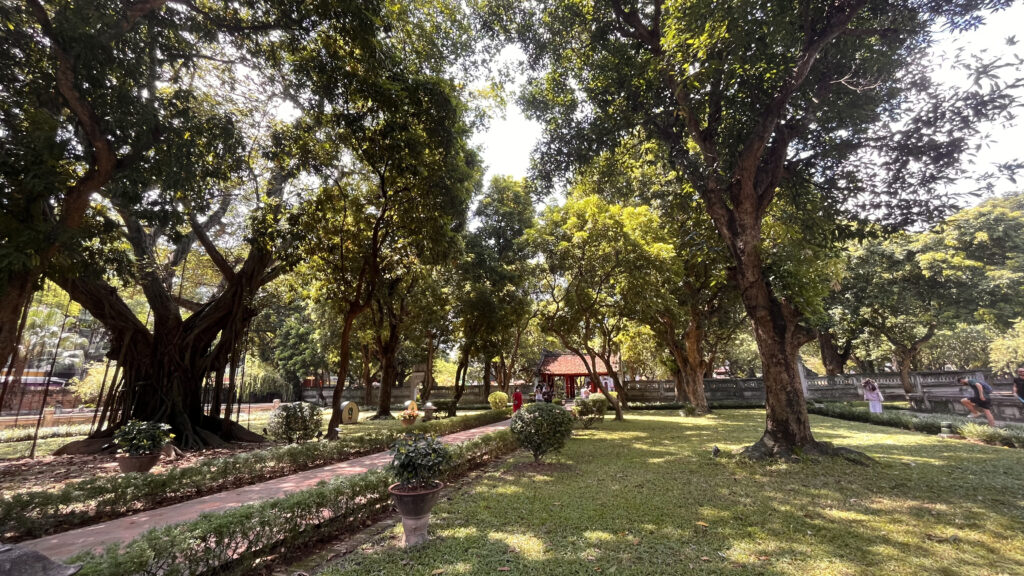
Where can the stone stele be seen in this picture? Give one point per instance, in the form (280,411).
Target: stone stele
(349,413)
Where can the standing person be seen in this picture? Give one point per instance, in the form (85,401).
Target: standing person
(517,400)
(539,396)
(548,394)
(874,396)
(1018,384)
(981,399)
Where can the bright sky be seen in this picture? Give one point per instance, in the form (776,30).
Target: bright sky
(508,141)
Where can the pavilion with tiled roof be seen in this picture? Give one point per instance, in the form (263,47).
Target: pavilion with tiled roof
(571,370)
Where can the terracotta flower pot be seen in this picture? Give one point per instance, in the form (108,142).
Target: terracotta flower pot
(408,421)
(415,510)
(141,464)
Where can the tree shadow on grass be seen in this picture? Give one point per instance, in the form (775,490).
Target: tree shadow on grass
(629,509)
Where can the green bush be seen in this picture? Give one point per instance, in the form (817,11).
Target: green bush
(982,433)
(541,428)
(32,514)
(601,404)
(295,423)
(417,460)
(585,411)
(138,438)
(237,541)
(497,400)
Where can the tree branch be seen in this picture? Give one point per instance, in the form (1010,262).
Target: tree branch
(218,259)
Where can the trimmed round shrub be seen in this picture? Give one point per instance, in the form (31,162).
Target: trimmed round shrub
(497,400)
(585,410)
(541,428)
(600,404)
(295,423)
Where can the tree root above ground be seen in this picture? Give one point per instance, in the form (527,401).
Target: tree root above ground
(215,433)
(768,449)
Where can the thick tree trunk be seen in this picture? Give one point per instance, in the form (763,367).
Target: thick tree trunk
(460,381)
(503,379)
(680,387)
(344,355)
(693,372)
(903,358)
(367,375)
(832,356)
(388,375)
(164,370)
(388,349)
(14,298)
(487,377)
(428,374)
(779,337)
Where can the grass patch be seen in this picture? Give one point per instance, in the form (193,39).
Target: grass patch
(44,447)
(645,496)
(22,433)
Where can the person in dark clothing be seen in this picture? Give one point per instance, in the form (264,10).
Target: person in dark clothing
(1018,384)
(981,399)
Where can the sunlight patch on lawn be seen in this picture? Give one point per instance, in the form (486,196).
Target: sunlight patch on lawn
(526,545)
(459,532)
(598,536)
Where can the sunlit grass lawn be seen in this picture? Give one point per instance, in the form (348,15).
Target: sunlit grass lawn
(44,447)
(645,496)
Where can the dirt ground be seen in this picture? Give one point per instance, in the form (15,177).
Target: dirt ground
(52,472)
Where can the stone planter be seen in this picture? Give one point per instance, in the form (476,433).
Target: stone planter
(415,510)
(141,464)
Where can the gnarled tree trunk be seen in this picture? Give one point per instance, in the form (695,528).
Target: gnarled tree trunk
(832,356)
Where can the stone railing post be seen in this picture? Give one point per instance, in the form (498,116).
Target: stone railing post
(915,381)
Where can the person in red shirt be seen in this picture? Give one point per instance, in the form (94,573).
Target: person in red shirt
(517,400)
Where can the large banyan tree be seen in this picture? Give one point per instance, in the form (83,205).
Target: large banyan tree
(153,153)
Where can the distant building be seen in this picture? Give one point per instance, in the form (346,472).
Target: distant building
(572,371)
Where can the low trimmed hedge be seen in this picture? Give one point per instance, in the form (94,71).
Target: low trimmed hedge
(1012,437)
(37,513)
(444,405)
(236,541)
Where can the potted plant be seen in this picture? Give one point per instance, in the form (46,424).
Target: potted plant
(140,444)
(409,415)
(418,461)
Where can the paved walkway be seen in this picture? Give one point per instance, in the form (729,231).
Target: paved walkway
(98,536)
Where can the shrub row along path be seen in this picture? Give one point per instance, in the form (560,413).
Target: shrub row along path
(99,536)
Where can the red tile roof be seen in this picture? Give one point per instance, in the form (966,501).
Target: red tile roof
(571,365)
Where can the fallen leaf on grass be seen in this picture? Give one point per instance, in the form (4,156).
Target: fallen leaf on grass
(935,538)
(702,524)
(705,558)
(504,569)
(636,541)
(436,572)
